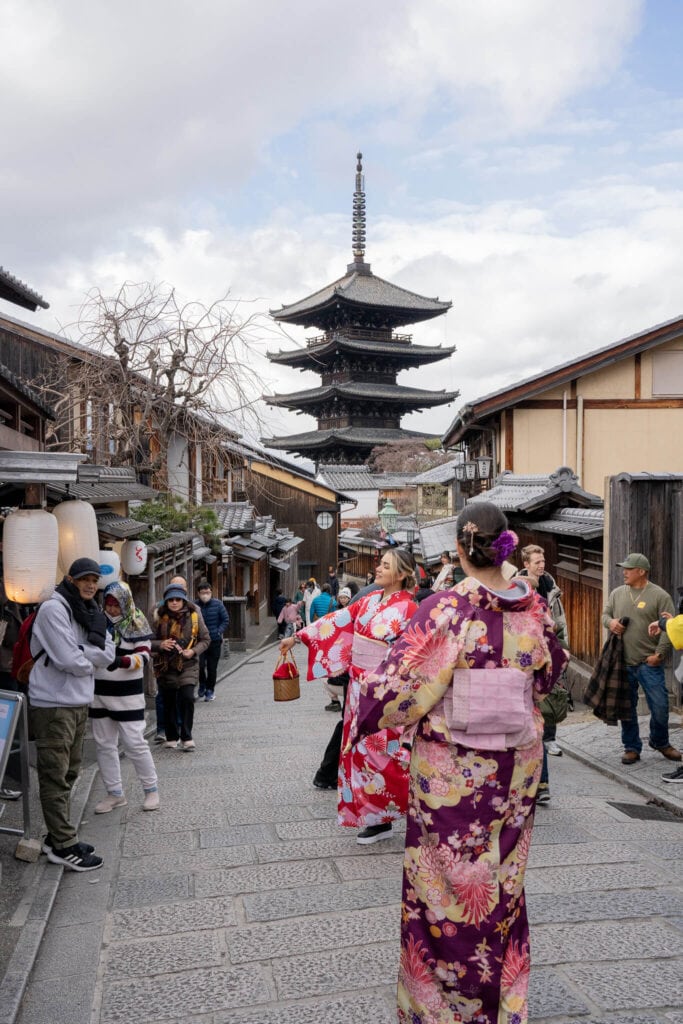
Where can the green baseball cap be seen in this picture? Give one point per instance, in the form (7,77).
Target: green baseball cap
(635,561)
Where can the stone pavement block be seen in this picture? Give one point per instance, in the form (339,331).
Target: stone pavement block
(634,831)
(131,892)
(596,876)
(670,851)
(193,915)
(262,877)
(158,842)
(331,931)
(236,835)
(624,984)
(68,950)
(163,955)
(343,846)
(320,829)
(578,853)
(371,1008)
(187,863)
(606,940)
(322,899)
(171,818)
(88,904)
(261,813)
(545,835)
(322,974)
(550,996)
(388,865)
(594,906)
(52,1001)
(183,996)
(326,806)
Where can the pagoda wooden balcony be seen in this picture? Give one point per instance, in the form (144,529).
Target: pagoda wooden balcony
(360,334)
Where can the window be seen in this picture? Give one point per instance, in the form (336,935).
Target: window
(667,374)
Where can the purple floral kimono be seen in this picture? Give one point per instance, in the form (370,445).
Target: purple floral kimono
(464,930)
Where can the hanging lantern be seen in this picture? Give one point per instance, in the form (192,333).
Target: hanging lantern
(134,557)
(30,546)
(110,567)
(77,533)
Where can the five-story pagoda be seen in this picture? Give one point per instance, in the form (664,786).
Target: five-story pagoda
(358,404)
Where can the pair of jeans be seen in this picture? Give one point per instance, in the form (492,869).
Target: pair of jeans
(178,705)
(208,666)
(651,678)
(59,736)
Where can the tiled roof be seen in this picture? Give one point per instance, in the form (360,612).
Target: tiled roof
(360,478)
(437,536)
(159,546)
(586,523)
(14,290)
(106,491)
(513,492)
(235,516)
(363,289)
(443,474)
(361,436)
(28,392)
(119,526)
(410,355)
(416,397)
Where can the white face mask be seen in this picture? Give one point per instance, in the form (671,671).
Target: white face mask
(113,618)
(205,596)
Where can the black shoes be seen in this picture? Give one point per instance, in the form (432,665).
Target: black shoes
(676,776)
(334,705)
(321,784)
(373,834)
(48,845)
(74,858)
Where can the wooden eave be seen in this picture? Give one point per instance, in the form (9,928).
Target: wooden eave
(485,407)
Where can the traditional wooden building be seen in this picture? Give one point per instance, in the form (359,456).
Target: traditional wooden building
(359,403)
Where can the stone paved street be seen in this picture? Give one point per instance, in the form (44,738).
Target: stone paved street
(241,902)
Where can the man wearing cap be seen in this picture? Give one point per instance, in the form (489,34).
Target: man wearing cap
(69,641)
(642,602)
(216,621)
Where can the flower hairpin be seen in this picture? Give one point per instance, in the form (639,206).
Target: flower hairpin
(471,528)
(504,544)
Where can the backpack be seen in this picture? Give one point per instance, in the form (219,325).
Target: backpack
(22,659)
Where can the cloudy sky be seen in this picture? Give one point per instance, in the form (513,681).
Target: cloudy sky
(523,159)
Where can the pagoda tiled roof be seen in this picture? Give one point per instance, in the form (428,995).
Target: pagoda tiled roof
(442,474)
(415,397)
(405,352)
(362,289)
(351,437)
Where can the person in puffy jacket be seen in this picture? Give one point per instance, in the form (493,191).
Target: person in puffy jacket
(216,620)
(118,708)
(180,639)
(68,643)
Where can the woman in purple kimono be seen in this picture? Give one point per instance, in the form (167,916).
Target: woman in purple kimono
(473,780)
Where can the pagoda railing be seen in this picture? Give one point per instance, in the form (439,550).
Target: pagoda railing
(361,334)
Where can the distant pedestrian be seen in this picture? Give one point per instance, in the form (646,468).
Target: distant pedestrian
(216,619)
(642,602)
(289,618)
(181,637)
(117,711)
(444,580)
(69,642)
(323,604)
(276,606)
(333,581)
(311,591)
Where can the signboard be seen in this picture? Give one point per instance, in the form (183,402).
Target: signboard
(10,710)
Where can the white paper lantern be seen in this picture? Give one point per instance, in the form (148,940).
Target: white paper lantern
(30,546)
(110,567)
(77,533)
(134,557)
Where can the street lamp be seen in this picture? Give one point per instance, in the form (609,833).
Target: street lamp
(484,464)
(388,517)
(460,472)
(470,471)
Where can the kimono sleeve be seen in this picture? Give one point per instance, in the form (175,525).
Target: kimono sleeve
(330,642)
(556,659)
(417,672)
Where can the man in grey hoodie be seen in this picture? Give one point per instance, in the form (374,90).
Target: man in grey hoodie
(69,640)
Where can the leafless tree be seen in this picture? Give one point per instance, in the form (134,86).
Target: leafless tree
(149,367)
(406,457)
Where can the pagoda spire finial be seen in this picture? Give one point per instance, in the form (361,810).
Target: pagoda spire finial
(358,232)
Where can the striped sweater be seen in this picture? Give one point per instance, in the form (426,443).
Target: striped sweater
(119,691)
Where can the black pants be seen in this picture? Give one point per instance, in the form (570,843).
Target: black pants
(178,704)
(208,665)
(329,766)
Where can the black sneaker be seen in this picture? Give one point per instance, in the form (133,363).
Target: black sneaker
(543,794)
(48,845)
(74,858)
(334,705)
(321,784)
(373,834)
(676,776)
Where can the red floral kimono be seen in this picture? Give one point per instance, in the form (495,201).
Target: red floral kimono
(373,775)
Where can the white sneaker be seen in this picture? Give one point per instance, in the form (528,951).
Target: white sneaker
(151,801)
(109,803)
(553,749)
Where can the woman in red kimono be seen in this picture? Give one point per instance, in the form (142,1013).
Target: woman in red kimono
(373,775)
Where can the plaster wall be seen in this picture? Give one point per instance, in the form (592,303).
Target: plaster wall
(630,441)
(615,381)
(537,437)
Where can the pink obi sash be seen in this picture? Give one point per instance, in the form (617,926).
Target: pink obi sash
(491,708)
(367,653)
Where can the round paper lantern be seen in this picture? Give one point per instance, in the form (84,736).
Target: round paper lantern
(77,533)
(134,557)
(110,567)
(30,547)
